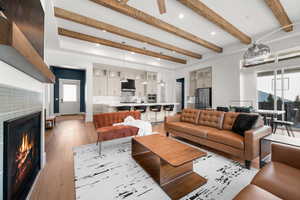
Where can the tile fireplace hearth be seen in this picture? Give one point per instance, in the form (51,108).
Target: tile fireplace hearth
(22,155)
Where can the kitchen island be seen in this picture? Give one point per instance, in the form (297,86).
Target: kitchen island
(149,116)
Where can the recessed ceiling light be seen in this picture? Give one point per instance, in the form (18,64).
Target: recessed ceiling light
(181,16)
(213,33)
(97,45)
(104,31)
(158,58)
(132,53)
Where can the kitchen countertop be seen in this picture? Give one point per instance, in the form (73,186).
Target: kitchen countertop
(138,104)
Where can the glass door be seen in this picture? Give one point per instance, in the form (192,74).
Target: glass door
(279,90)
(291,94)
(265,90)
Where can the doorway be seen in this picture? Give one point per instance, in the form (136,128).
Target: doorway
(280,90)
(180,94)
(69,96)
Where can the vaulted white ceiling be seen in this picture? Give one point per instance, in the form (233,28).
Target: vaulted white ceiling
(252,17)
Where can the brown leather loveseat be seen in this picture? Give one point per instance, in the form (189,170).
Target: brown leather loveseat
(106,131)
(213,129)
(279,179)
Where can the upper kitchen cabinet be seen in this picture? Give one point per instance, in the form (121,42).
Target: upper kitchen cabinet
(204,78)
(107,81)
(201,78)
(139,88)
(114,84)
(151,83)
(100,82)
(152,76)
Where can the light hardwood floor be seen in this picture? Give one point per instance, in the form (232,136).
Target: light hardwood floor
(56,180)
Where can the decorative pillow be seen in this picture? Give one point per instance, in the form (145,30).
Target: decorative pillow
(244,123)
(129,119)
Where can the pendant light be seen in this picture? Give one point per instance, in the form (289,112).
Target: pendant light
(123,79)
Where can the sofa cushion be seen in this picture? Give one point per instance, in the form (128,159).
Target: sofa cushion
(229,119)
(188,128)
(244,122)
(190,115)
(114,132)
(211,118)
(226,137)
(279,179)
(253,192)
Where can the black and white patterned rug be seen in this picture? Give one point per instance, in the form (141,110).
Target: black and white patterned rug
(115,175)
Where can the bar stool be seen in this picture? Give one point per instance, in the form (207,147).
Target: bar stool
(156,109)
(286,124)
(168,108)
(142,110)
(223,109)
(123,108)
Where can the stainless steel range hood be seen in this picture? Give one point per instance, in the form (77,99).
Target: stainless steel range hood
(17,51)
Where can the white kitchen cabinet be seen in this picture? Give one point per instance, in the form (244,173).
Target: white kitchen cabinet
(113,86)
(139,88)
(100,86)
(152,87)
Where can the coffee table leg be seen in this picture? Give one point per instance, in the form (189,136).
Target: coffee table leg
(177,182)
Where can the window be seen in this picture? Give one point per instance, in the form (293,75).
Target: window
(69,93)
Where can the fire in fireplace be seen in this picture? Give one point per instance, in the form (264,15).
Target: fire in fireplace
(21,155)
(24,157)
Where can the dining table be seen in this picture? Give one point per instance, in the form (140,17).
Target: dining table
(270,113)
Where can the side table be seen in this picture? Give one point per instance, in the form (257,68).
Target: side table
(265,146)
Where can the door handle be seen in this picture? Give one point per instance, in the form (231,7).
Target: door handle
(61,100)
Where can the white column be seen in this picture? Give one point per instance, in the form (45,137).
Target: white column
(89,94)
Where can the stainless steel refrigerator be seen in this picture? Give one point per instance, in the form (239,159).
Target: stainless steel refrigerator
(203,98)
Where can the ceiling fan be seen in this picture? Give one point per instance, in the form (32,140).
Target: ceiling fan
(161,5)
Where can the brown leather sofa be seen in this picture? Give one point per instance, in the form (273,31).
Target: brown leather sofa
(106,131)
(213,129)
(279,179)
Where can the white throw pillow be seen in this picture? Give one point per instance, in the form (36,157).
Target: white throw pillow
(129,119)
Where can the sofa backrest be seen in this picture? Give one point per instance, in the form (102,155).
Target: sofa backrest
(229,119)
(108,119)
(211,118)
(190,115)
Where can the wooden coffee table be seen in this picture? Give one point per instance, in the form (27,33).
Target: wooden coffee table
(169,163)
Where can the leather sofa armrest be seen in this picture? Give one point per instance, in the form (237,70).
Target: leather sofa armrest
(252,141)
(286,154)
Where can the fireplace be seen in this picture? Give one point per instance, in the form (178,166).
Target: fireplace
(22,155)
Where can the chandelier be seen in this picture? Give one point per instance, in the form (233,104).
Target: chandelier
(256,53)
(259,52)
